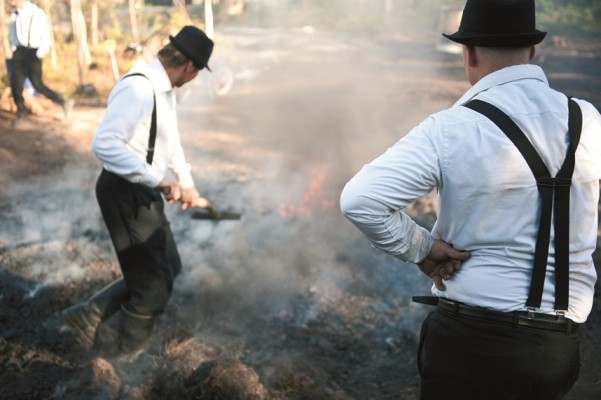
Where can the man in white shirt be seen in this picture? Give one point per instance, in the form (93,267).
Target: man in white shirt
(508,304)
(138,143)
(30,42)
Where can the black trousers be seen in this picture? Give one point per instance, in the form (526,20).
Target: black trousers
(468,359)
(141,234)
(25,64)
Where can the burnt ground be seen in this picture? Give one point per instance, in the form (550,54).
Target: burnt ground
(289,302)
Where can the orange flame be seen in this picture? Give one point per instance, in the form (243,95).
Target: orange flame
(313,198)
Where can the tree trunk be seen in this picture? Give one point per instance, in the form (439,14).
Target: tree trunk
(208,18)
(135,35)
(76,26)
(53,62)
(4,32)
(4,39)
(94,22)
(83,31)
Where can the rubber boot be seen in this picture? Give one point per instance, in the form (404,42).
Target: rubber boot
(134,332)
(84,318)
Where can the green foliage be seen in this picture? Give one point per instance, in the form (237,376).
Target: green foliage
(571,17)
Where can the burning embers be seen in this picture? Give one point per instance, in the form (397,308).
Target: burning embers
(315,197)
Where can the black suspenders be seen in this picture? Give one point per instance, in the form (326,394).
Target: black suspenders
(551,190)
(153,123)
(18,28)
(29,30)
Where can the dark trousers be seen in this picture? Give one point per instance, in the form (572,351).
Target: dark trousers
(468,359)
(25,64)
(142,237)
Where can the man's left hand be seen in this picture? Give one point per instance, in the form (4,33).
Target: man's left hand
(442,262)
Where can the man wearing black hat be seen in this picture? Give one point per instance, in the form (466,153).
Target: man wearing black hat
(138,142)
(516,166)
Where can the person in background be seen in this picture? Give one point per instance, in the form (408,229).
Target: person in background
(30,42)
(138,143)
(516,166)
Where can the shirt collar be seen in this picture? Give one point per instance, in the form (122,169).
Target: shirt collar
(160,78)
(503,76)
(26,5)
(23,7)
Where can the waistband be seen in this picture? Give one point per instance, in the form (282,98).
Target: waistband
(117,181)
(113,178)
(525,319)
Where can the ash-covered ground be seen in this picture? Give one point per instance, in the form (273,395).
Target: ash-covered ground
(290,301)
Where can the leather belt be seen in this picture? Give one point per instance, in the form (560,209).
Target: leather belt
(545,322)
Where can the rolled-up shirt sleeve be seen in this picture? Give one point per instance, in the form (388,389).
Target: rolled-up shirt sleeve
(374,199)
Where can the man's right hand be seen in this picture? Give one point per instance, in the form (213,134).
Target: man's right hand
(191,198)
(442,262)
(171,190)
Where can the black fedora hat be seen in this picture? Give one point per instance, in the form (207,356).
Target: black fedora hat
(498,23)
(194,44)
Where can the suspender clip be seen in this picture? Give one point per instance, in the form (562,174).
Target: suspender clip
(561,315)
(531,311)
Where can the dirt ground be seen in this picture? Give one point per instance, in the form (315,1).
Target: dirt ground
(290,302)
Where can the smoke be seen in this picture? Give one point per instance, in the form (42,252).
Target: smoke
(307,108)
(314,97)
(279,148)
(53,229)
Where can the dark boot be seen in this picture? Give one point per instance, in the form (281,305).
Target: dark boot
(134,330)
(134,333)
(20,119)
(84,318)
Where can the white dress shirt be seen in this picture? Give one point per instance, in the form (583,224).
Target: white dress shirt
(488,200)
(121,140)
(29,28)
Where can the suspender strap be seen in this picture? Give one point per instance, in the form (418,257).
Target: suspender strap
(29,30)
(551,189)
(153,122)
(562,202)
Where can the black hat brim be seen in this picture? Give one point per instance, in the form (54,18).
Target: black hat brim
(498,40)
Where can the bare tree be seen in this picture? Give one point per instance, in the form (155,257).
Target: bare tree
(208,18)
(4,41)
(133,21)
(4,32)
(53,61)
(94,22)
(77,24)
